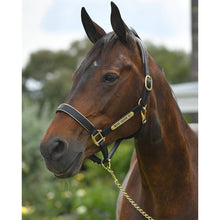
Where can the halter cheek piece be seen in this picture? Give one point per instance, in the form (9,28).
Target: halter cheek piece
(97,135)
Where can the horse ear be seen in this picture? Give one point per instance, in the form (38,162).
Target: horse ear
(118,25)
(93,31)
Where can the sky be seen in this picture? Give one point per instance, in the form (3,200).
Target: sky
(54,24)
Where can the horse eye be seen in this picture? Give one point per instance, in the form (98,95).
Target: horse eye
(109,77)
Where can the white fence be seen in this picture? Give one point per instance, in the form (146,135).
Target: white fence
(186,95)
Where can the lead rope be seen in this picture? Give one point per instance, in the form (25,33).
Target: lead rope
(133,203)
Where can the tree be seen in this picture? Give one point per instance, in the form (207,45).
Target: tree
(52,70)
(175,63)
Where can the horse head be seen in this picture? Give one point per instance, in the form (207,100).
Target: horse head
(107,84)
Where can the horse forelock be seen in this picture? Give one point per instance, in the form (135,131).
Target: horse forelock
(102,48)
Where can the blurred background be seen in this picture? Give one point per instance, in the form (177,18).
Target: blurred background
(54,44)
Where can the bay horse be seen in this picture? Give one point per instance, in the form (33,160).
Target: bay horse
(120,89)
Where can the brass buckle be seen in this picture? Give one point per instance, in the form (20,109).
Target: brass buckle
(143,112)
(97,138)
(151,84)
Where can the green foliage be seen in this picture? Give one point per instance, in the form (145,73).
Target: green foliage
(53,71)
(175,63)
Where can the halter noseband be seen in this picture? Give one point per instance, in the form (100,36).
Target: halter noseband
(97,135)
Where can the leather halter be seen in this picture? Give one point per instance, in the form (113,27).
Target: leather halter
(98,135)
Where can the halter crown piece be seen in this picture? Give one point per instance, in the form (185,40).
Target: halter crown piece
(98,135)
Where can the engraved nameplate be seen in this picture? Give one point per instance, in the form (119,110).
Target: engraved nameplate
(122,120)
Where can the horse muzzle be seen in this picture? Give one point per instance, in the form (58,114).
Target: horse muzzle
(60,158)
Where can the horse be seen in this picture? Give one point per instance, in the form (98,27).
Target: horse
(121,90)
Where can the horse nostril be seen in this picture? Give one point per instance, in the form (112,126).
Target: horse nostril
(53,149)
(57,148)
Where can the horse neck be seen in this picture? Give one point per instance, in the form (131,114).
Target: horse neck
(163,144)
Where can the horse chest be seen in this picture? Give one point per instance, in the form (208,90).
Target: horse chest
(144,198)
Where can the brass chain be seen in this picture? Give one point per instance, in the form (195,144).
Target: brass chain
(133,203)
